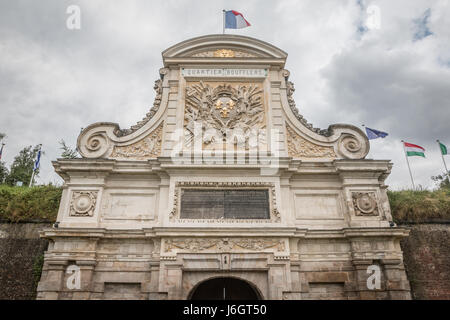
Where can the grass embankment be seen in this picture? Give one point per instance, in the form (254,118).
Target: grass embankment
(410,206)
(40,203)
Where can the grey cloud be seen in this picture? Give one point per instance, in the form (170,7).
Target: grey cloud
(54,81)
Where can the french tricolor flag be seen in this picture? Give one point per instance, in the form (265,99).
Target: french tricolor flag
(235,20)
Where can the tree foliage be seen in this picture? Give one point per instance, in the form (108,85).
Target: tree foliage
(4,172)
(442,180)
(67,153)
(22,167)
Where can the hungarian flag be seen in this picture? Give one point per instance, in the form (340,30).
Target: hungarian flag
(235,20)
(414,150)
(443,148)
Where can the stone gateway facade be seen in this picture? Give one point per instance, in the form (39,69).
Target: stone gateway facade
(223,190)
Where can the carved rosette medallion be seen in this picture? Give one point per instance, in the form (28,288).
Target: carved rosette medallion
(82,203)
(365,203)
(226,112)
(148,147)
(299,147)
(224,244)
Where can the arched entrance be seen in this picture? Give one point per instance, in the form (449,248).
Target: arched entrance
(224,289)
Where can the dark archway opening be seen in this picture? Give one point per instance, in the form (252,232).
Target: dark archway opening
(224,289)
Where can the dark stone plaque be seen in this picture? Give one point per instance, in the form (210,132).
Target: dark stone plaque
(224,204)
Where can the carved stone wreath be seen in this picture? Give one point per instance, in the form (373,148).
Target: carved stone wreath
(223,245)
(365,203)
(221,111)
(83,203)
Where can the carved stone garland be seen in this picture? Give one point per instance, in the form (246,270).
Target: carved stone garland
(275,215)
(223,245)
(82,203)
(365,203)
(148,147)
(299,147)
(224,109)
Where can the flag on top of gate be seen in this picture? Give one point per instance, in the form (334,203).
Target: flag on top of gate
(373,134)
(414,150)
(1,151)
(235,20)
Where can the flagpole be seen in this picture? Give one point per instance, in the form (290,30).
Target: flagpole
(223,18)
(409,168)
(443,160)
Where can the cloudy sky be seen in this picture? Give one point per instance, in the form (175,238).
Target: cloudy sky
(393,76)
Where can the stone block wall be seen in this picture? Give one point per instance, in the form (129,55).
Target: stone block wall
(426,255)
(20,252)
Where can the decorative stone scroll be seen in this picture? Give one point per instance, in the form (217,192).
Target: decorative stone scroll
(299,147)
(148,147)
(365,203)
(224,244)
(275,215)
(82,203)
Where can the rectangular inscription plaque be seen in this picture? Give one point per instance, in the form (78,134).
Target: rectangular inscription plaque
(224,72)
(224,204)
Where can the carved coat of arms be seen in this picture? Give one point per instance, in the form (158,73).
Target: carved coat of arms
(223,113)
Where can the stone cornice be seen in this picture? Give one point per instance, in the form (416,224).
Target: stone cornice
(290,232)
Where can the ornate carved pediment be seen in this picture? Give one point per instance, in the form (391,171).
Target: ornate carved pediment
(148,147)
(223,110)
(299,147)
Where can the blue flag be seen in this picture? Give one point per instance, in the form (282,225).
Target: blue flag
(373,134)
(36,163)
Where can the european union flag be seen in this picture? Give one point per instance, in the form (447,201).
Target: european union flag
(373,134)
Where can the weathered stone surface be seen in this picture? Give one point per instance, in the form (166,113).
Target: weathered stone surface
(223,178)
